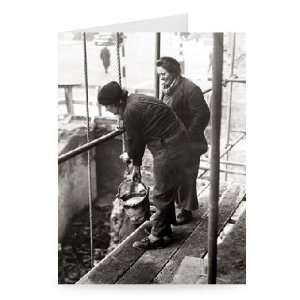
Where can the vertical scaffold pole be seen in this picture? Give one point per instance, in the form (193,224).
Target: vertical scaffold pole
(230,100)
(120,121)
(89,152)
(157,56)
(119,59)
(216,108)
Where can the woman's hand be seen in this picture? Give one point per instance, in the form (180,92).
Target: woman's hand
(125,158)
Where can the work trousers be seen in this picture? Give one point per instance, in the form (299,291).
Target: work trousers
(170,162)
(187,193)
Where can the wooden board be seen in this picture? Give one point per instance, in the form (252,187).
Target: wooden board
(130,265)
(196,244)
(187,272)
(232,254)
(111,268)
(152,261)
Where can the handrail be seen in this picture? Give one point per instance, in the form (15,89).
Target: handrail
(97,141)
(89,145)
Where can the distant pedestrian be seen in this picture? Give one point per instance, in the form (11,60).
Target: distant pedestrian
(105,57)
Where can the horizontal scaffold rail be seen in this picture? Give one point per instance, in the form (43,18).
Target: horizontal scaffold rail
(97,141)
(226,162)
(227,149)
(75,85)
(89,145)
(227,80)
(207,91)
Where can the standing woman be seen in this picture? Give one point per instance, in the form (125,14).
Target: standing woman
(187,100)
(151,122)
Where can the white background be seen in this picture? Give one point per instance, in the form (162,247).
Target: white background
(29,142)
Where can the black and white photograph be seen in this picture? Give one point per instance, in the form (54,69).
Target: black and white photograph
(151,157)
(149,149)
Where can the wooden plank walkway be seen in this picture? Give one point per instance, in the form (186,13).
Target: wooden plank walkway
(232,254)
(196,243)
(127,265)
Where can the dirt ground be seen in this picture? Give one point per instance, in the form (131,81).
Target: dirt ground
(74,257)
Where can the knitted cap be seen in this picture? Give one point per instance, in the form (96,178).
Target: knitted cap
(110,94)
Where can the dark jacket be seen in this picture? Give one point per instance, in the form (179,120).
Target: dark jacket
(151,122)
(147,120)
(189,105)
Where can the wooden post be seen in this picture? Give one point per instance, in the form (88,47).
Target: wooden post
(69,100)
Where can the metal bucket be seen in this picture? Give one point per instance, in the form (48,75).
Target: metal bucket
(135,198)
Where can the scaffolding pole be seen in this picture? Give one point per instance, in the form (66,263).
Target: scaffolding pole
(216,108)
(157,57)
(89,152)
(228,125)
